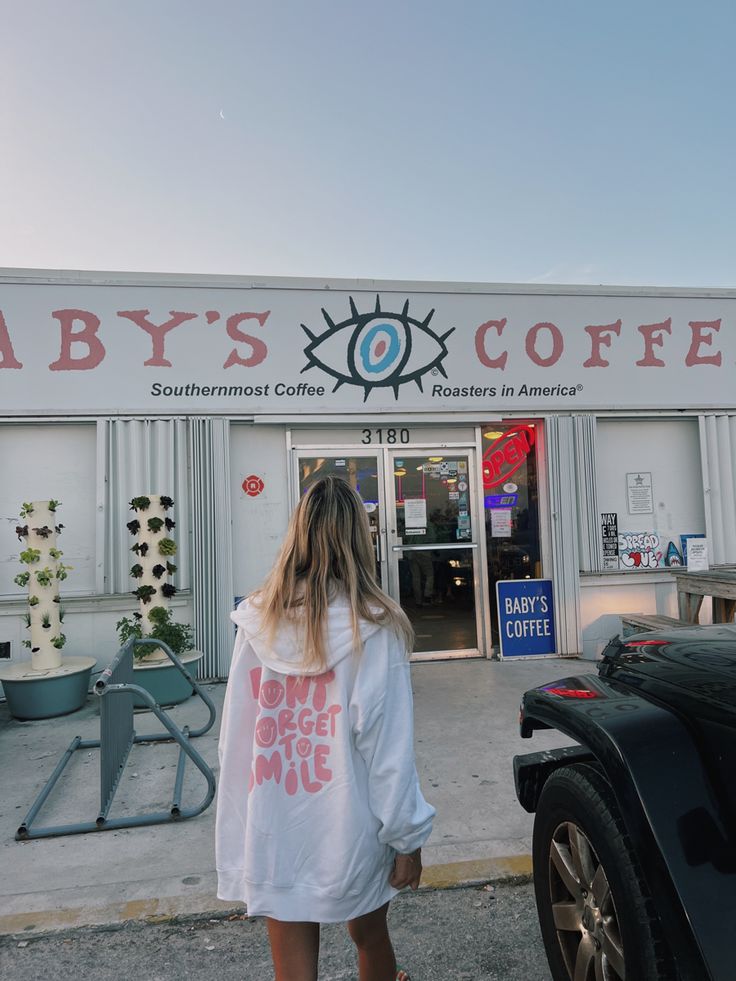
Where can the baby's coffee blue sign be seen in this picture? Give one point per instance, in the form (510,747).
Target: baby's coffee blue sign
(526,623)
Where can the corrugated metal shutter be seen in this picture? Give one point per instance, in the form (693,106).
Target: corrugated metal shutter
(589,526)
(561,469)
(212,547)
(141,456)
(717,446)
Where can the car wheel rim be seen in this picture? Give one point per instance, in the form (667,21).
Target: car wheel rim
(583,910)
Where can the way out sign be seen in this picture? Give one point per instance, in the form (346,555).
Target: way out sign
(526,623)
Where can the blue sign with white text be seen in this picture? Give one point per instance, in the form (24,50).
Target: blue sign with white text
(526,622)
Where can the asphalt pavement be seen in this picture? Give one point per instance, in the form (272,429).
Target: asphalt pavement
(481,933)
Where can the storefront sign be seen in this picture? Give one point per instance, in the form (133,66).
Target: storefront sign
(253,485)
(639,493)
(100,343)
(609,538)
(526,625)
(500,501)
(506,454)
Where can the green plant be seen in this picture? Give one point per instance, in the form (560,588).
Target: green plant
(45,621)
(170,568)
(167,546)
(58,642)
(140,503)
(26,510)
(62,614)
(26,643)
(155,524)
(61,571)
(178,636)
(30,555)
(136,570)
(27,618)
(44,577)
(140,548)
(144,593)
(33,600)
(53,505)
(55,553)
(22,579)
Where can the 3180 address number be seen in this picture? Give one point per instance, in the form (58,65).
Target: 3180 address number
(390,436)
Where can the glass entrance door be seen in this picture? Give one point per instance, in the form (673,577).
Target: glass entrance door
(432,549)
(421,512)
(364,473)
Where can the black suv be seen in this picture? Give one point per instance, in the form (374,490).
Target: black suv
(634,843)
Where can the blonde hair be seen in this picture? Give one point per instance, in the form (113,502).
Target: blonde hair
(327,551)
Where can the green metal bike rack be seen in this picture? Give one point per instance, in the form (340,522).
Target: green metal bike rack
(116,689)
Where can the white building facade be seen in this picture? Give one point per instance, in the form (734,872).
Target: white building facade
(575,434)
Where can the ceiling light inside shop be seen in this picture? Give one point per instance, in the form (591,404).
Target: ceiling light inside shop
(400,473)
(492,435)
(435,459)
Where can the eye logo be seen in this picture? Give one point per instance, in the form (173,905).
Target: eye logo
(377,349)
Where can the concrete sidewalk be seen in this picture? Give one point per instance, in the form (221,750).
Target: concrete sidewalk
(466,735)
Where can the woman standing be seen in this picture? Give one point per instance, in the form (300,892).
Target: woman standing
(319,813)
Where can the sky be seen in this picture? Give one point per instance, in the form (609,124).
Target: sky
(525,142)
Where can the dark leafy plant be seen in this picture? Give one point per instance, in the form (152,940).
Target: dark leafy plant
(43,532)
(134,526)
(155,524)
(58,528)
(30,555)
(21,531)
(166,502)
(136,570)
(158,570)
(26,643)
(168,590)
(144,593)
(140,548)
(56,599)
(22,579)
(58,642)
(169,524)
(167,546)
(170,568)
(140,503)
(33,600)
(178,636)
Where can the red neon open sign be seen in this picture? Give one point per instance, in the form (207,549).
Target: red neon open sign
(506,454)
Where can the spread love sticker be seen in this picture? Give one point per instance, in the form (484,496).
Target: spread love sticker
(294,733)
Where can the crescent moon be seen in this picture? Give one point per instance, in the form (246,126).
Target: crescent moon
(222,114)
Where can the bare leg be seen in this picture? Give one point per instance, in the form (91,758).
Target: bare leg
(294,949)
(376,961)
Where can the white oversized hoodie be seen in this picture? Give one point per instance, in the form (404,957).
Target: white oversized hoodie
(318,786)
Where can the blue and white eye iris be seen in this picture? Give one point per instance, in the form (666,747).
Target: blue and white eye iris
(377,349)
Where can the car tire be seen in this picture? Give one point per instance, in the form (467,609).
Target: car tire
(596,916)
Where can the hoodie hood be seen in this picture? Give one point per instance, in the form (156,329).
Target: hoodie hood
(285,652)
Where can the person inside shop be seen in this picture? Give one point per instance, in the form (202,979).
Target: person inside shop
(320,816)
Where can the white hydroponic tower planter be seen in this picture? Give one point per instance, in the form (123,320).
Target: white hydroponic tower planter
(50,685)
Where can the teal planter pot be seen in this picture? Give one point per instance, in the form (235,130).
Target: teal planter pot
(45,694)
(165,683)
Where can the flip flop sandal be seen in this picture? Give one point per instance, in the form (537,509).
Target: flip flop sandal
(401,975)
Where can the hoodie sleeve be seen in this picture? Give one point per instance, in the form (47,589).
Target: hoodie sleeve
(383,723)
(235,750)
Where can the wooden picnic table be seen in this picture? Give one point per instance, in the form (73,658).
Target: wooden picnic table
(720,584)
